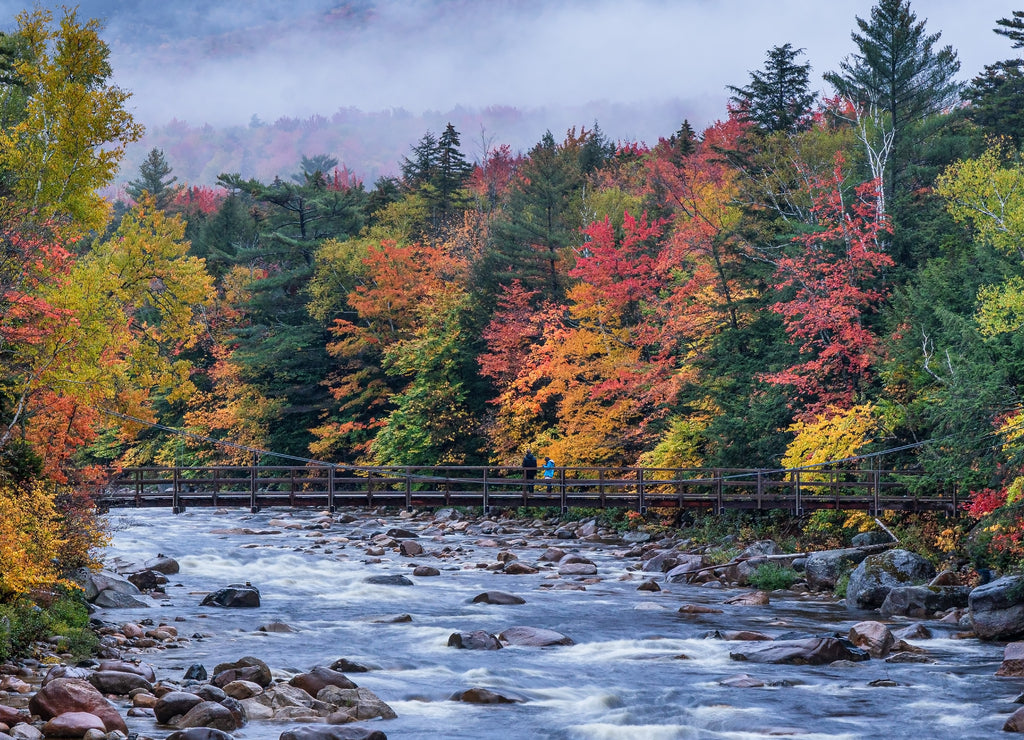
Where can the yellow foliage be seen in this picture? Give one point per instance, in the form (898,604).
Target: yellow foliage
(30,540)
(835,435)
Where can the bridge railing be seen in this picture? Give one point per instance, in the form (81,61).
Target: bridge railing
(325,485)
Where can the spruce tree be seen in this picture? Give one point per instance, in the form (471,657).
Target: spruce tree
(997,94)
(153,179)
(777,98)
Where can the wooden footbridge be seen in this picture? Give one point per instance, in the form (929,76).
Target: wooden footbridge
(328,486)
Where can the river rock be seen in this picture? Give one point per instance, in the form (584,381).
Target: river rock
(118,682)
(74,695)
(924,601)
(393,580)
(552,555)
(997,609)
(242,689)
(661,562)
(234,596)
(401,534)
(517,568)
(66,671)
(331,732)
(814,651)
(752,557)
(195,672)
(874,637)
(147,580)
(1015,722)
(353,704)
(163,564)
(425,571)
(698,609)
(753,598)
(276,627)
(209,692)
(498,597)
(475,640)
(576,569)
(823,569)
(486,696)
(124,666)
(209,714)
(742,681)
(410,548)
(319,677)
(11,716)
(1013,660)
(72,724)
(685,564)
(533,637)
(649,585)
(916,631)
(878,574)
(246,669)
(174,704)
(26,732)
(199,733)
(348,666)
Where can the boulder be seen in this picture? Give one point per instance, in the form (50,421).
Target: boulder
(110,599)
(878,574)
(174,704)
(685,564)
(425,571)
(118,682)
(234,596)
(246,669)
(486,696)
(209,714)
(401,534)
(331,732)
(410,548)
(1013,660)
(516,568)
(661,562)
(348,666)
(475,640)
(997,609)
(874,537)
(813,651)
(576,569)
(874,637)
(924,601)
(195,672)
(163,564)
(95,583)
(243,689)
(26,732)
(354,704)
(1015,722)
(147,580)
(753,598)
(394,580)
(823,569)
(209,692)
(533,637)
(75,695)
(140,669)
(319,677)
(66,671)
(11,716)
(72,724)
(552,555)
(276,627)
(199,733)
(498,597)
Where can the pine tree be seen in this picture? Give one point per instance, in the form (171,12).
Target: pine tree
(900,75)
(997,94)
(777,98)
(153,179)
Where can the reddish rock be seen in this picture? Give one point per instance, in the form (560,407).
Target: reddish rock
(73,724)
(320,677)
(1013,660)
(874,637)
(64,695)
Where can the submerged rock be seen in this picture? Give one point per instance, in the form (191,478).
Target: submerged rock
(815,651)
(475,640)
(534,637)
(234,595)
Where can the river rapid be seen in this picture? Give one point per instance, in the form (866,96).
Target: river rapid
(638,668)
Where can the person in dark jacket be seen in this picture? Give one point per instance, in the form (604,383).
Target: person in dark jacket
(529,469)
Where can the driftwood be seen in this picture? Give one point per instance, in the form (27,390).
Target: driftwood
(867,549)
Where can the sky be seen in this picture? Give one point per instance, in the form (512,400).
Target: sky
(222,62)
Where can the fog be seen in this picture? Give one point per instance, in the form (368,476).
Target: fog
(223,62)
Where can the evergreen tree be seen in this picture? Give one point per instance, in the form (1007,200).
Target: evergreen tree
(900,74)
(997,94)
(777,98)
(153,179)
(309,166)
(452,171)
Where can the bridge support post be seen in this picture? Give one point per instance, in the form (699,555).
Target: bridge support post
(487,493)
(408,493)
(330,489)
(563,498)
(718,492)
(640,486)
(760,489)
(876,486)
(798,509)
(176,506)
(253,505)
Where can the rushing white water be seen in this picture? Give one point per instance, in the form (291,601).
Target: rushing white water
(639,669)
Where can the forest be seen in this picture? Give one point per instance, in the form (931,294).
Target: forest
(809,279)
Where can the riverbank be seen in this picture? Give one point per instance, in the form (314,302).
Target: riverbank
(629,650)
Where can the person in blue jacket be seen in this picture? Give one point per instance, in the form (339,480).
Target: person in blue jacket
(548,471)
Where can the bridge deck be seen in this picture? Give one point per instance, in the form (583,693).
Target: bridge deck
(329,487)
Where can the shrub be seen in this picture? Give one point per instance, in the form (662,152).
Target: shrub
(771,576)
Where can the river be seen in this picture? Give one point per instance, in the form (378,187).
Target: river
(638,668)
